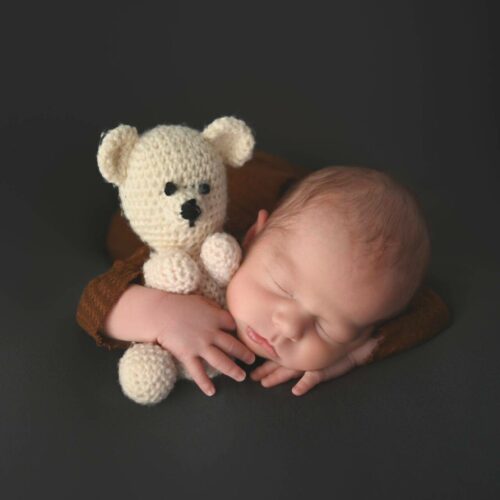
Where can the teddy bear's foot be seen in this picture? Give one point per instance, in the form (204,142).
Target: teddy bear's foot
(147,373)
(183,373)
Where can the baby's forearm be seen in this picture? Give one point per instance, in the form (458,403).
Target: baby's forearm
(132,318)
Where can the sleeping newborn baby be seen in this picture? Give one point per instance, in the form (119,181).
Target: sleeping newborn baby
(345,250)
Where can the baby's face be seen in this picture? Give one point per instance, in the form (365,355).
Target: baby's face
(299,300)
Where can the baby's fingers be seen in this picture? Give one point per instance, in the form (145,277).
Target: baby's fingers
(339,368)
(195,368)
(278,376)
(226,320)
(307,382)
(312,378)
(225,365)
(263,370)
(235,348)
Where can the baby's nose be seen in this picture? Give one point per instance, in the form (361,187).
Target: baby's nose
(287,328)
(294,335)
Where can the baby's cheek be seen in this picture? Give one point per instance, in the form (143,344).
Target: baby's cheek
(316,355)
(331,354)
(232,296)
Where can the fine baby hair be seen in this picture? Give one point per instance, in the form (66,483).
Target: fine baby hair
(384,217)
(172,188)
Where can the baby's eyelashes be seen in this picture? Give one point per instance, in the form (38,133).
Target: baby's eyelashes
(290,294)
(322,334)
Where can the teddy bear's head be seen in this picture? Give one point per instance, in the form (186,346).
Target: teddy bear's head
(172,179)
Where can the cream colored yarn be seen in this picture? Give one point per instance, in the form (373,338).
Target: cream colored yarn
(162,178)
(148,372)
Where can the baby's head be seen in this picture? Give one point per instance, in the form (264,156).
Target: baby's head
(345,250)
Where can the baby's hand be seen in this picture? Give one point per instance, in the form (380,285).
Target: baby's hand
(195,328)
(271,373)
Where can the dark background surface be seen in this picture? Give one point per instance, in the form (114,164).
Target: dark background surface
(411,87)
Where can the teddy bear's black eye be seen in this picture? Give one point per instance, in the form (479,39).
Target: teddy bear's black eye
(204,188)
(170,188)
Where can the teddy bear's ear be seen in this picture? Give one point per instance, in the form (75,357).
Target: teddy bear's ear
(113,152)
(232,139)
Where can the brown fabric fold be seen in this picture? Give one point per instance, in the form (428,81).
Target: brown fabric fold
(258,185)
(102,293)
(425,317)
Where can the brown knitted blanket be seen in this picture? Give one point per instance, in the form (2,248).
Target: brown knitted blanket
(258,185)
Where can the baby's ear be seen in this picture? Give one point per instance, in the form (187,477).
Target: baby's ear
(255,228)
(232,139)
(113,153)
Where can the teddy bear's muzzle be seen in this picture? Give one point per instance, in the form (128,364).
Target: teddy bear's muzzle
(190,211)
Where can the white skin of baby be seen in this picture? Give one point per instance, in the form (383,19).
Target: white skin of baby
(301,300)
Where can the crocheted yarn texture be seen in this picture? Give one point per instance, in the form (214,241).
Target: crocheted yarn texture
(173,191)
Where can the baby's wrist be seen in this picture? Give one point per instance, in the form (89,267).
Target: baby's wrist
(132,318)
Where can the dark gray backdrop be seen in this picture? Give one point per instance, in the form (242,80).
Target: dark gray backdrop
(408,86)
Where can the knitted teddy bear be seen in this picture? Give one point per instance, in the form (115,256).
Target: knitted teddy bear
(173,191)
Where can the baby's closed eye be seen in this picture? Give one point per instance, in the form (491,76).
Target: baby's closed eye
(337,337)
(286,292)
(281,287)
(327,337)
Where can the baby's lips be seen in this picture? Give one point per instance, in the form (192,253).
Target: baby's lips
(255,337)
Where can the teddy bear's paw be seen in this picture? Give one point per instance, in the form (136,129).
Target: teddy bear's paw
(221,256)
(173,271)
(147,373)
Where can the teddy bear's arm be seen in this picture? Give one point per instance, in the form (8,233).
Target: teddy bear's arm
(103,292)
(426,316)
(172,271)
(221,256)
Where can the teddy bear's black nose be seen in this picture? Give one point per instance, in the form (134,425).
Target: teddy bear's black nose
(190,211)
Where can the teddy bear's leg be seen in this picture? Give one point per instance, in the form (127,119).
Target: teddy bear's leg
(184,374)
(147,373)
